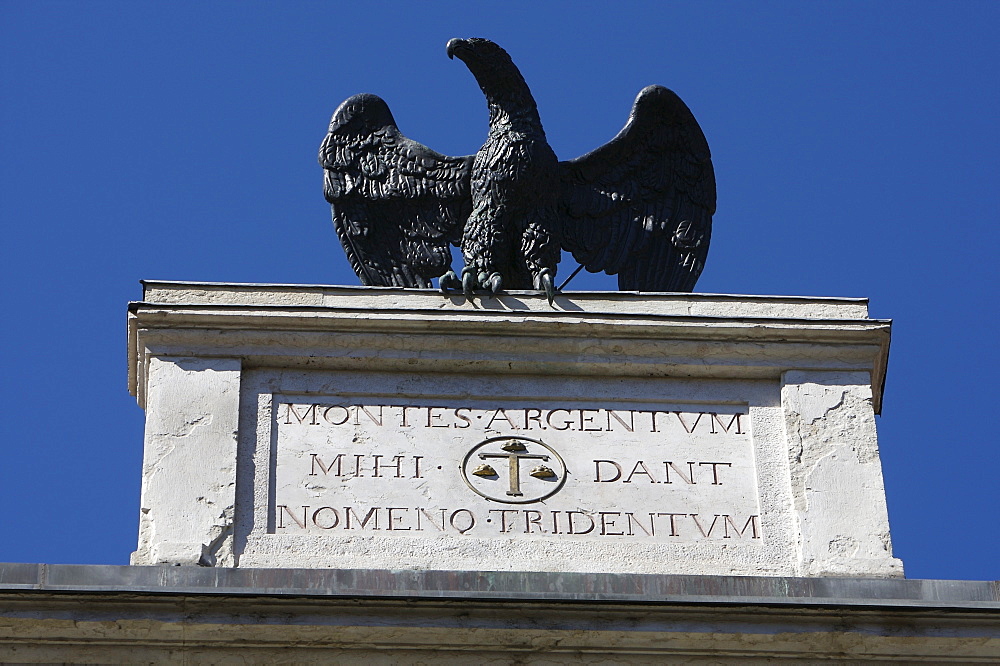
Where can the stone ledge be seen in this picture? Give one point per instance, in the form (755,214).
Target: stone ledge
(635,334)
(511,586)
(614,302)
(116,614)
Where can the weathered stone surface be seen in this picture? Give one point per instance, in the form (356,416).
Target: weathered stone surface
(597,302)
(386,428)
(836,474)
(189,461)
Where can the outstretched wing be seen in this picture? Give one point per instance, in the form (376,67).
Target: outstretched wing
(396,204)
(641,206)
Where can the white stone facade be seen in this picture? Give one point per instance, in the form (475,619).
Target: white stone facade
(353,427)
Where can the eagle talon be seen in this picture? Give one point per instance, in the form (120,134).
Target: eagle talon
(545,284)
(449,281)
(468,282)
(493,284)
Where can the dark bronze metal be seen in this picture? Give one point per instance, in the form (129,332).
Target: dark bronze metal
(639,207)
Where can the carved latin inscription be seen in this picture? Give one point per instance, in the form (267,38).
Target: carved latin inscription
(516,419)
(514,471)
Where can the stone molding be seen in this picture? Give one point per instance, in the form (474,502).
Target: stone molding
(834,592)
(114,614)
(748,337)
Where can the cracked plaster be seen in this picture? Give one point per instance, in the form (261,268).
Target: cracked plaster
(189,468)
(836,475)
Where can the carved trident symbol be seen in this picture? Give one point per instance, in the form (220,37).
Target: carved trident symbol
(515,453)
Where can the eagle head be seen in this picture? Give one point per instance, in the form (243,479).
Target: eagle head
(493,68)
(475,49)
(486,60)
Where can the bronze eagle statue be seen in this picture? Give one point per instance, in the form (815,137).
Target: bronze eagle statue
(639,207)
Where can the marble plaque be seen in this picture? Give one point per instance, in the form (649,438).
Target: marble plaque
(553,471)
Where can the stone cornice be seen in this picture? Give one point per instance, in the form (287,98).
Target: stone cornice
(662,589)
(113,614)
(655,335)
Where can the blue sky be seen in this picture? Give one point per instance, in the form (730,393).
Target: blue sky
(856,148)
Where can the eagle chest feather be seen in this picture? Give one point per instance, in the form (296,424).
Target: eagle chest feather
(513,173)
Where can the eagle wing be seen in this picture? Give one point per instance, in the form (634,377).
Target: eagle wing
(396,204)
(641,206)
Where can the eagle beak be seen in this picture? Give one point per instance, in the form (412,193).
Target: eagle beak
(453,45)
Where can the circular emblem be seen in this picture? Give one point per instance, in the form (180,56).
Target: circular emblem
(514,470)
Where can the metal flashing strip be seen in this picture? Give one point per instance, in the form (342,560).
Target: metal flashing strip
(505,586)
